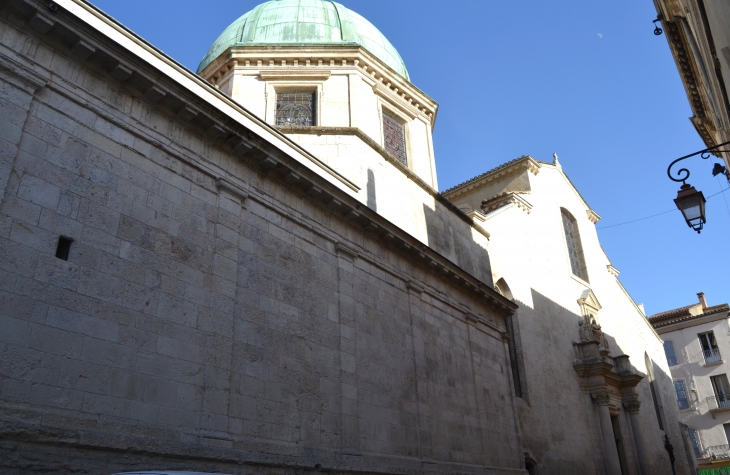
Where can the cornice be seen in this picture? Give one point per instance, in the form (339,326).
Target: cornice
(504,199)
(687,67)
(612,270)
(329,58)
(513,167)
(593,217)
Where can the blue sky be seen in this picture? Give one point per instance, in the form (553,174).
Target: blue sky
(588,80)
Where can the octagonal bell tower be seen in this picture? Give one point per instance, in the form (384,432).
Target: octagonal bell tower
(329,80)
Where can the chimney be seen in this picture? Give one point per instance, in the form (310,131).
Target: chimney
(703,301)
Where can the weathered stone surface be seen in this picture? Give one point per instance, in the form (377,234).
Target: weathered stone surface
(188,325)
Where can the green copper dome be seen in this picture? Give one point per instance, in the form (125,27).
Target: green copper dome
(305,22)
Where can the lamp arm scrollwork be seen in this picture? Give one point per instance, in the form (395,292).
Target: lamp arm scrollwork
(683,173)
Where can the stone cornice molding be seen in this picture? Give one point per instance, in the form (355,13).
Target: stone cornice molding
(332,58)
(612,270)
(18,74)
(687,67)
(346,251)
(410,285)
(232,188)
(286,74)
(525,162)
(504,199)
(593,217)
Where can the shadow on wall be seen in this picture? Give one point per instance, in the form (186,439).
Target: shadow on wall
(372,194)
(459,248)
(543,334)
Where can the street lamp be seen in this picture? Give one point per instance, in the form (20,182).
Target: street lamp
(692,205)
(690,201)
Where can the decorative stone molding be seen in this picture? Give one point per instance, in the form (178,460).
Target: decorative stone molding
(235,190)
(612,270)
(410,285)
(504,199)
(632,406)
(20,75)
(593,217)
(602,398)
(347,251)
(284,74)
(308,59)
(518,165)
(588,302)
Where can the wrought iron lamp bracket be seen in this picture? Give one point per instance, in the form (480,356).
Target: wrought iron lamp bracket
(683,174)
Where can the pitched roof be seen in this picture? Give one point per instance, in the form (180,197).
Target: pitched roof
(488,172)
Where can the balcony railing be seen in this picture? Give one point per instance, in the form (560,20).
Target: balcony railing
(718,403)
(712,355)
(716,452)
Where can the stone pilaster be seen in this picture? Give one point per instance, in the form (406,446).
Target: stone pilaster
(602,400)
(632,407)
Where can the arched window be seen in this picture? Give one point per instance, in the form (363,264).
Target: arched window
(575,248)
(515,356)
(655,397)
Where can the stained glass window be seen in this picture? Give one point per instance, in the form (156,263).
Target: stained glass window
(295,109)
(394,136)
(575,248)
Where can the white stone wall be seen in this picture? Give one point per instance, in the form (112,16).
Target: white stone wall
(345,99)
(559,421)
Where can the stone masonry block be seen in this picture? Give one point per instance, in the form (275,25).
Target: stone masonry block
(107,353)
(39,191)
(56,271)
(14,331)
(59,224)
(178,349)
(136,232)
(20,210)
(34,237)
(22,308)
(55,341)
(30,365)
(75,322)
(106,405)
(101,286)
(98,216)
(84,376)
(64,398)
(15,390)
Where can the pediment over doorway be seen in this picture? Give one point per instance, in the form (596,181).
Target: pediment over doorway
(588,302)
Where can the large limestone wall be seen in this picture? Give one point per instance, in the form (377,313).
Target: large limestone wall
(201,328)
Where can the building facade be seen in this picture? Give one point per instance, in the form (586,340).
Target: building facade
(594,392)
(250,269)
(698,34)
(183,286)
(696,344)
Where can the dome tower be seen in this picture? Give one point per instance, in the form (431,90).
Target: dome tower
(331,81)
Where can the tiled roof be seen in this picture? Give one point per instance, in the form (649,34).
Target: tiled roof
(670,313)
(682,314)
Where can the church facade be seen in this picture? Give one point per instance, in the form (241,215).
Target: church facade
(250,269)
(589,370)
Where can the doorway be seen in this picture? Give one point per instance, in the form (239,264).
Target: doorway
(619,444)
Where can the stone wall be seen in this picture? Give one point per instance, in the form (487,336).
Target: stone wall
(212,315)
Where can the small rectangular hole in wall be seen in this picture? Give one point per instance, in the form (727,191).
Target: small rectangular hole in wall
(64,246)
